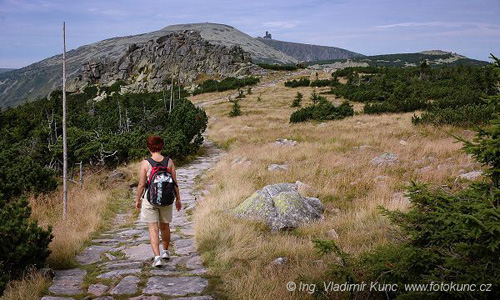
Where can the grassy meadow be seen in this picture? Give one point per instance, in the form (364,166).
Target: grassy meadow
(334,159)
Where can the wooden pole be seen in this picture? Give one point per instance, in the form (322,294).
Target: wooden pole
(81,173)
(65,150)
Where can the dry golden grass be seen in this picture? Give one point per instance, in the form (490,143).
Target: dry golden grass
(28,288)
(350,187)
(90,208)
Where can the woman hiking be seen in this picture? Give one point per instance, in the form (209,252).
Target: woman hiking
(155,196)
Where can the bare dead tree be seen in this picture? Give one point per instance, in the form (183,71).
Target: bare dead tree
(120,126)
(65,150)
(171,94)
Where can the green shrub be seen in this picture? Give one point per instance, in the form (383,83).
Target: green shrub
(229,83)
(296,83)
(322,111)
(23,244)
(297,100)
(236,110)
(278,67)
(466,115)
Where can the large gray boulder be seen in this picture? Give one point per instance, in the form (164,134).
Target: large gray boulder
(280,206)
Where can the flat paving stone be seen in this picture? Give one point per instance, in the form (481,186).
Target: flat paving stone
(56,298)
(144,297)
(194,262)
(128,285)
(97,289)
(92,254)
(195,298)
(175,286)
(139,252)
(123,264)
(68,282)
(119,273)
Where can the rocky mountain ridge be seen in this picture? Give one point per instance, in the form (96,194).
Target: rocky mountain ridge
(307,52)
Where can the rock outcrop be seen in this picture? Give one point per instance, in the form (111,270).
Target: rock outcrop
(280,206)
(151,65)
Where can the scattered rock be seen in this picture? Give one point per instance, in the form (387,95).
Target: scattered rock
(285,142)
(333,234)
(68,282)
(385,159)
(404,143)
(280,206)
(116,176)
(241,161)
(277,167)
(175,286)
(471,175)
(362,147)
(400,198)
(97,289)
(127,285)
(424,169)
(55,298)
(380,178)
(278,261)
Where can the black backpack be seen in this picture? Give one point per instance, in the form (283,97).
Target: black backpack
(160,185)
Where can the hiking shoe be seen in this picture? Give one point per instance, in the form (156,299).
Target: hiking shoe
(165,254)
(157,262)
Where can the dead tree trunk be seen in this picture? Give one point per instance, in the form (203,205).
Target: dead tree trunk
(65,150)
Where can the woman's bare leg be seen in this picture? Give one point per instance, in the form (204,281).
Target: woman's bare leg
(154,238)
(165,235)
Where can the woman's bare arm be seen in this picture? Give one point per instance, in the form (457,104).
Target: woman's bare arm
(177,193)
(142,184)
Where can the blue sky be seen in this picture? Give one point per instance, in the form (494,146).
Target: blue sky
(30,30)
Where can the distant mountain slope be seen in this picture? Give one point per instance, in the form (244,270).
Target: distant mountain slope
(307,52)
(433,57)
(230,36)
(111,55)
(3,70)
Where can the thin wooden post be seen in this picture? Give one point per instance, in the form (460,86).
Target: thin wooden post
(81,173)
(65,150)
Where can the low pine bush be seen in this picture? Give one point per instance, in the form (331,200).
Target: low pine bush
(446,237)
(322,111)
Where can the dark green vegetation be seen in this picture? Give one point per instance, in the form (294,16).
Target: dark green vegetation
(104,133)
(229,83)
(408,59)
(297,100)
(236,109)
(277,67)
(448,95)
(445,237)
(322,110)
(304,81)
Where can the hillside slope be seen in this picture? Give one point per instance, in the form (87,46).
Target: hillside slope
(307,52)
(135,58)
(433,57)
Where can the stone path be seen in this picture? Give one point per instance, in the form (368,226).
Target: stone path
(117,264)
